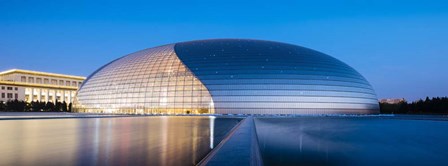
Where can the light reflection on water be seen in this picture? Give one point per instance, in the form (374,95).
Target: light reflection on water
(111,141)
(353,141)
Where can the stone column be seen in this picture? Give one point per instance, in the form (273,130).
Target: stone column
(69,97)
(62,96)
(32,94)
(46,96)
(55,95)
(39,91)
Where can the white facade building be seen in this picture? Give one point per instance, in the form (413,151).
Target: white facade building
(392,101)
(30,86)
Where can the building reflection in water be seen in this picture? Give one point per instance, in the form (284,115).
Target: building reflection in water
(354,140)
(212,127)
(111,141)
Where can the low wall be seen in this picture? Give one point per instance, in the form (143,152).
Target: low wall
(240,147)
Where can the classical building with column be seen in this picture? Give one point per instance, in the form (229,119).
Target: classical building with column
(30,86)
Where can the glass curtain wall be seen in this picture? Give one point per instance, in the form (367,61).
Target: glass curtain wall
(151,81)
(262,77)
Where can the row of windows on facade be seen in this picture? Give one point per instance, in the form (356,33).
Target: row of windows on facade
(50,98)
(9,95)
(9,88)
(35,93)
(47,81)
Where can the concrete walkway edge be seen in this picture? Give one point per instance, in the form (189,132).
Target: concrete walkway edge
(240,147)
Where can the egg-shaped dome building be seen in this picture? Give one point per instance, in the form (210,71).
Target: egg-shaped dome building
(226,76)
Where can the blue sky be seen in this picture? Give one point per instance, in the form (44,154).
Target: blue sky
(400,46)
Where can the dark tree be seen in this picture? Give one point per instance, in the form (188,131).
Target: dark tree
(2,106)
(64,106)
(58,106)
(436,105)
(49,106)
(36,106)
(15,105)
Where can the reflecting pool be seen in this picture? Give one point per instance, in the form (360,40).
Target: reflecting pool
(376,140)
(145,140)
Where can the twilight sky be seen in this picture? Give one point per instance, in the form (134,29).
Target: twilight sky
(400,46)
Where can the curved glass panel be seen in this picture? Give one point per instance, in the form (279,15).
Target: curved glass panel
(262,77)
(149,81)
(227,76)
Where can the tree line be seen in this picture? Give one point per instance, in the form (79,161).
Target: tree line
(435,105)
(35,106)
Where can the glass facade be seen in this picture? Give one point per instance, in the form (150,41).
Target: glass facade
(152,81)
(227,76)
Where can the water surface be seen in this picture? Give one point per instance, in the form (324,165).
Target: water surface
(111,141)
(376,140)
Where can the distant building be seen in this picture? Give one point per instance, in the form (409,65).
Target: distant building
(38,86)
(392,101)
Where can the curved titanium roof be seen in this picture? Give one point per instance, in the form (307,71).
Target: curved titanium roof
(233,76)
